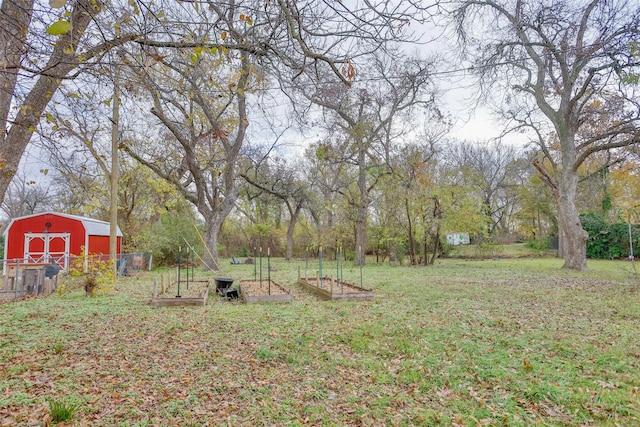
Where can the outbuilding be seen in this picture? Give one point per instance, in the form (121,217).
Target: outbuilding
(55,237)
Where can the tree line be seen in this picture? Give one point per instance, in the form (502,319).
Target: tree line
(214,93)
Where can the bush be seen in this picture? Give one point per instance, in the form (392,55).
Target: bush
(538,245)
(97,279)
(608,240)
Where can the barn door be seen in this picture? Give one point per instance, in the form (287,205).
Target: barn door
(44,247)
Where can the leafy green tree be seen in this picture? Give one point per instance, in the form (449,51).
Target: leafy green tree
(536,211)
(175,231)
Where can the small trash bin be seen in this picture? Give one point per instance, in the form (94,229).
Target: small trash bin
(223,283)
(230,293)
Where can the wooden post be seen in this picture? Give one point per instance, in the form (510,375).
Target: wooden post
(155,288)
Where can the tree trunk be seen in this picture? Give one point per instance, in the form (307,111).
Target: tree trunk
(412,242)
(363,206)
(436,246)
(14,139)
(572,236)
(212,227)
(290,230)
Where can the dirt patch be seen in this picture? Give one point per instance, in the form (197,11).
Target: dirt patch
(329,289)
(335,286)
(194,289)
(263,291)
(262,288)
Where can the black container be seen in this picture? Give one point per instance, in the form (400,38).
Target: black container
(230,293)
(223,283)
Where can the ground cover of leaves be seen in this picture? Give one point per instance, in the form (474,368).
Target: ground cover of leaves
(462,343)
(262,288)
(334,286)
(195,288)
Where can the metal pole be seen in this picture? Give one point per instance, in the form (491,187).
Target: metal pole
(320,265)
(342,262)
(113,214)
(179,253)
(337,263)
(187,268)
(362,258)
(630,241)
(255,264)
(260,267)
(269,270)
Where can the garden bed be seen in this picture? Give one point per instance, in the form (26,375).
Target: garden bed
(253,291)
(330,289)
(196,293)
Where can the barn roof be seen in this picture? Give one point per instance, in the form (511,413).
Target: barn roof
(93,227)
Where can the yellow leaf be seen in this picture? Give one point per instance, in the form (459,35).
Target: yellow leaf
(57,4)
(59,28)
(223,36)
(242,16)
(248,21)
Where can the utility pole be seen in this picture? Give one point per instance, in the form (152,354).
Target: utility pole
(115,140)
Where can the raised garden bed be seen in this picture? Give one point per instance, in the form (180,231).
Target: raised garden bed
(330,289)
(253,291)
(196,294)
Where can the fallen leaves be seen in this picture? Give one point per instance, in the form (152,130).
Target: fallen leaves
(467,351)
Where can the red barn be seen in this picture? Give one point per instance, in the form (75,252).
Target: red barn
(40,238)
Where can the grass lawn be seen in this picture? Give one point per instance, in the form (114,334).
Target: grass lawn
(514,342)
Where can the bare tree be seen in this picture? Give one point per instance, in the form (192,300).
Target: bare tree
(487,167)
(256,38)
(35,62)
(369,119)
(27,196)
(284,183)
(559,63)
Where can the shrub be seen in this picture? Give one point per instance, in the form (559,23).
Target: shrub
(607,240)
(538,245)
(96,277)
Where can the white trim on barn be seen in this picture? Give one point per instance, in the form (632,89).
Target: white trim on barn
(60,258)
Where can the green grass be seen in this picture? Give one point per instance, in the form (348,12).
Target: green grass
(61,410)
(515,342)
